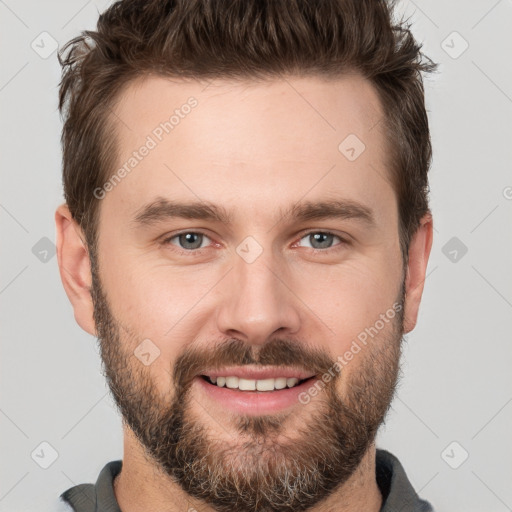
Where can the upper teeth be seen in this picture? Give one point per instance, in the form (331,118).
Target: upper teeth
(253,385)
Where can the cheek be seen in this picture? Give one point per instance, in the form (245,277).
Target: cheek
(351,298)
(157,302)
(362,313)
(156,307)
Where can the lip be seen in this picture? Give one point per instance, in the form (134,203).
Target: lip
(246,372)
(253,403)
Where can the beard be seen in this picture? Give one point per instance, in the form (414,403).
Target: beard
(265,468)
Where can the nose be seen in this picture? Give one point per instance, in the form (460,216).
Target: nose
(258,302)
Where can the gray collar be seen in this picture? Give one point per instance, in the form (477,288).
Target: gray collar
(398,494)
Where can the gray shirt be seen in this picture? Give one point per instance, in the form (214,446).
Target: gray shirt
(398,494)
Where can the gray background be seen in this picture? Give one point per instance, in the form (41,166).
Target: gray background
(454,400)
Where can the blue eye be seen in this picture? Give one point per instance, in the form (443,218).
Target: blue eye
(189,240)
(321,239)
(192,241)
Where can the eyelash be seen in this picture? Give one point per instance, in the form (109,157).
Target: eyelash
(343,242)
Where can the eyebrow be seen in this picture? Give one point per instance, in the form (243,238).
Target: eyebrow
(163,209)
(332,209)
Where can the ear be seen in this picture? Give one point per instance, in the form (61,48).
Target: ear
(419,252)
(75,268)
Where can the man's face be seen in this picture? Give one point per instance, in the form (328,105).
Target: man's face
(273,284)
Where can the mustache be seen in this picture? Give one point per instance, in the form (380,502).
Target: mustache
(235,352)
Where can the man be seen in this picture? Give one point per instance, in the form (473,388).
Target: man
(246,231)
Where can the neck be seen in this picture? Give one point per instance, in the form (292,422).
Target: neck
(142,485)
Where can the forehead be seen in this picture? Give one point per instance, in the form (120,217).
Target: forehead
(292,107)
(253,140)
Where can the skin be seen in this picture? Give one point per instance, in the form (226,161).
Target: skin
(256,149)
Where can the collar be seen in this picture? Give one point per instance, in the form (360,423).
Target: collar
(397,492)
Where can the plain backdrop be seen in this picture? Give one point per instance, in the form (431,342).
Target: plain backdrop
(450,423)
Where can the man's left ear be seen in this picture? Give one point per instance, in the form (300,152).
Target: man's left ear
(419,252)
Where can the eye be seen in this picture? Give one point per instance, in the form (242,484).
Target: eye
(320,240)
(189,240)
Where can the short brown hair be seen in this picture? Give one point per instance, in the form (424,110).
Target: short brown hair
(242,39)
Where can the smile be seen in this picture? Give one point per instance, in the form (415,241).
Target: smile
(272,384)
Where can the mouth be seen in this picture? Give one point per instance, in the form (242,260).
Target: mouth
(265,385)
(254,392)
